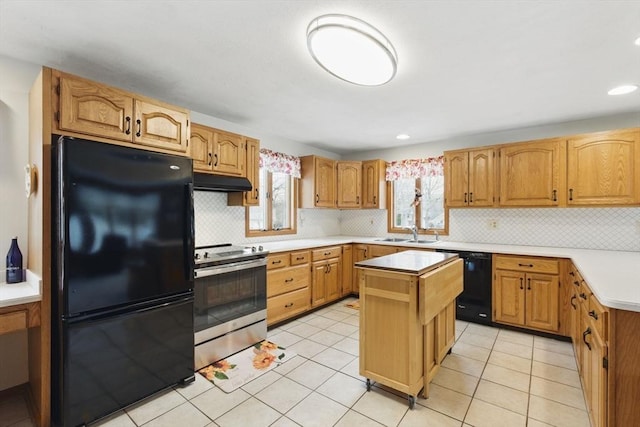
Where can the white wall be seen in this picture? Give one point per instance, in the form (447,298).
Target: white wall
(16,79)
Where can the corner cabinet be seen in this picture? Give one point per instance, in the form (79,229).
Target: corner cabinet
(470,178)
(532,173)
(318,182)
(349,184)
(88,108)
(526,292)
(374,186)
(604,168)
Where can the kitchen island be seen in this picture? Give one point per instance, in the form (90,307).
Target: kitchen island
(407,317)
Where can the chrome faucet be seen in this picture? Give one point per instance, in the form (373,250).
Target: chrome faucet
(414,231)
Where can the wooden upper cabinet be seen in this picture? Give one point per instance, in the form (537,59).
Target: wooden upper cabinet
(318,182)
(89,108)
(349,184)
(533,173)
(469,178)
(252,170)
(228,153)
(373,184)
(95,109)
(201,150)
(604,168)
(160,126)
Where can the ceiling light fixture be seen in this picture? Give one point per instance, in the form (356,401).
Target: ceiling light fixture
(622,90)
(637,42)
(403,136)
(351,50)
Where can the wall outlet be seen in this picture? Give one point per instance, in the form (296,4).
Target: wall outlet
(492,224)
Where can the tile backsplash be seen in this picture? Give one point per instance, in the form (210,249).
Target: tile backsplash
(589,228)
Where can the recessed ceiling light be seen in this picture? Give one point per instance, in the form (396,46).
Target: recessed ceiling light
(351,50)
(637,42)
(622,90)
(403,136)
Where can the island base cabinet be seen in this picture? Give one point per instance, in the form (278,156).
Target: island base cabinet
(391,346)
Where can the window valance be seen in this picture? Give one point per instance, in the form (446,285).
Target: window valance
(280,162)
(415,168)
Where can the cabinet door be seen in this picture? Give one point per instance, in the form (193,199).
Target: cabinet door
(160,126)
(509,295)
(318,283)
(373,184)
(228,153)
(333,278)
(599,378)
(542,301)
(347,270)
(456,172)
(360,253)
(94,109)
(325,183)
(602,168)
(252,167)
(481,178)
(349,184)
(531,174)
(201,149)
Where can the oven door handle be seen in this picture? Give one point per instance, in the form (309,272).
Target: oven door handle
(228,268)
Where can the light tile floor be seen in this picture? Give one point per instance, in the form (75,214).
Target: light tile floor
(493,377)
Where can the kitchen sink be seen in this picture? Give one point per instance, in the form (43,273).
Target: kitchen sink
(423,242)
(392,239)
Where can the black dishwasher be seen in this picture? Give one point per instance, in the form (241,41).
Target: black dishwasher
(474,303)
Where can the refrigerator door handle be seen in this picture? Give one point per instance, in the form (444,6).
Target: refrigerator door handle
(189,231)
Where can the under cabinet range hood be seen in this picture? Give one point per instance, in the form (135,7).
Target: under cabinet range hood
(221,183)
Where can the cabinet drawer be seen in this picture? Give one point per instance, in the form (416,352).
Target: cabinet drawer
(13,321)
(598,315)
(326,253)
(301,257)
(287,279)
(286,305)
(527,264)
(278,261)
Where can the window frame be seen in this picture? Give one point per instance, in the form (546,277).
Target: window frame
(391,228)
(293,229)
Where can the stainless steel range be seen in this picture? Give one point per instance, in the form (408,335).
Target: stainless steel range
(230,293)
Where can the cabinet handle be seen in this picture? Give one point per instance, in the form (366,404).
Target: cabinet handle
(139,123)
(300,258)
(276,261)
(288,305)
(571,273)
(317,198)
(575,282)
(210,158)
(584,337)
(374,199)
(571,302)
(593,314)
(525,265)
(128,120)
(470,197)
(365,253)
(216,156)
(257,194)
(528,283)
(327,253)
(555,196)
(571,194)
(465,197)
(288,280)
(583,296)
(521,287)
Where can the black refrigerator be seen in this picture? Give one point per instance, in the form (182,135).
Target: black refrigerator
(122,277)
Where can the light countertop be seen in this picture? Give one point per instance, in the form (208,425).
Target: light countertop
(21,293)
(412,262)
(611,275)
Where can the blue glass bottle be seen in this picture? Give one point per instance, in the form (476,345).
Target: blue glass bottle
(14,263)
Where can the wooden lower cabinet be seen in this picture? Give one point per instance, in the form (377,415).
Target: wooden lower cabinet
(347,270)
(288,285)
(325,282)
(526,292)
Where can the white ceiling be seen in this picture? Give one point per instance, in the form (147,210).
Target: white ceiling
(465,67)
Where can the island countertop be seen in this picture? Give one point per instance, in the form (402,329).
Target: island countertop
(412,262)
